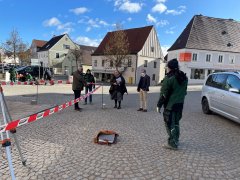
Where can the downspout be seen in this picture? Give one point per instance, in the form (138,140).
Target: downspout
(136,69)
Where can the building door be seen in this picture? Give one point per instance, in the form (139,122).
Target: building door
(130,80)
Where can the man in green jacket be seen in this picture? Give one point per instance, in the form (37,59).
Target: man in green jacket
(78,84)
(172,95)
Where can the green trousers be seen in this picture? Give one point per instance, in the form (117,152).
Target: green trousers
(171,119)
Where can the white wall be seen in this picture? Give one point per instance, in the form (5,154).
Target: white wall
(202,64)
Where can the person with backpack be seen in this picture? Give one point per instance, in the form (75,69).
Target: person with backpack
(89,78)
(172,95)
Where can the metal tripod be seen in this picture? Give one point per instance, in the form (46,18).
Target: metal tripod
(5,138)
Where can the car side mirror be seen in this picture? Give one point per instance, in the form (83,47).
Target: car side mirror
(234,90)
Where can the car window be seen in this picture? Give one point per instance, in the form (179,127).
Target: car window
(209,81)
(28,69)
(233,82)
(219,81)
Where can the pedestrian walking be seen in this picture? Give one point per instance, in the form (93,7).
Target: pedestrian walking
(89,78)
(117,88)
(47,76)
(13,74)
(172,95)
(78,84)
(143,88)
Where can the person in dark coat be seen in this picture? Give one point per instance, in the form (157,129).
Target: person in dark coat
(47,75)
(78,85)
(172,95)
(117,89)
(89,78)
(143,88)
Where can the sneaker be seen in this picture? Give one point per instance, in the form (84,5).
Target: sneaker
(119,107)
(140,109)
(144,110)
(78,109)
(167,146)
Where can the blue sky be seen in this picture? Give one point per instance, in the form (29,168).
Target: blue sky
(87,21)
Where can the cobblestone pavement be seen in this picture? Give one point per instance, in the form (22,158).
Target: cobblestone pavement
(61,146)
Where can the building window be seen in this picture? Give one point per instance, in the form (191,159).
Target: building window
(57,55)
(95,63)
(155,65)
(220,59)
(145,63)
(194,57)
(232,59)
(111,63)
(208,58)
(103,63)
(152,49)
(129,62)
(153,77)
(66,46)
(197,73)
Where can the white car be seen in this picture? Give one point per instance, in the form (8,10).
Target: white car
(221,95)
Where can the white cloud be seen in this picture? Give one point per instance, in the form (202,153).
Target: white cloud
(83,40)
(151,19)
(164,49)
(162,23)
(169,32)
(88,29)
(103,23)
(129,19)
(52,22)
(181,9)
(128,6)
(159,8)
(161,1)
(80,10)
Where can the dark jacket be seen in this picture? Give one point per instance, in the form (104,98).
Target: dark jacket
(119,87)
(89,78)
(144,83)
(78,81)
(173,91)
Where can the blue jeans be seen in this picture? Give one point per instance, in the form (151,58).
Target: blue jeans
(88,89)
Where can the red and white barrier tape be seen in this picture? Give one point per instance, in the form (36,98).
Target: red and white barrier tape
(16,123)
(34,82)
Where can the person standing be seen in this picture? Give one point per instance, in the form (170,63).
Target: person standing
(117,89)
(47,76)
(78,84)
(13,74)
(172,95)
(143,88)
(89,78)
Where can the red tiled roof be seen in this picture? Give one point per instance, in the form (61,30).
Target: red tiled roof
(39,43)
(136,38)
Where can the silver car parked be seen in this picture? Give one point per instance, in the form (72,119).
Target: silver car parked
(221,94)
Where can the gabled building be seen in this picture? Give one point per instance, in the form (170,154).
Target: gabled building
(207,45)
(54,52)
(35,47)
(145,52)
(85,59)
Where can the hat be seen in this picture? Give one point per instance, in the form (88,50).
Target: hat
(173,64)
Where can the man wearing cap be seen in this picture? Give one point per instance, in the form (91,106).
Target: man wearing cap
(78,84)
(172,95)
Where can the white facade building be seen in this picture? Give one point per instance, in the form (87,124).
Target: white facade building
(207,45)
(145,53)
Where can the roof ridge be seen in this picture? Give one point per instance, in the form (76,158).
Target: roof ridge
(190,31)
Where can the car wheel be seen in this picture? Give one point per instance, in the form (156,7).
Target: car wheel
(205,106)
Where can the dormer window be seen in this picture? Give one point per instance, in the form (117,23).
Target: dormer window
(224,32)
(229,45)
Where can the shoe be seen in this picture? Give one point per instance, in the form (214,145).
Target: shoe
(144,110)
(167,146)
(78,109)
(115,106)
(140,109)
(119,107)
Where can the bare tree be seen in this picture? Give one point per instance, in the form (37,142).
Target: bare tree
(77,55)
(117,47)
(24,54)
